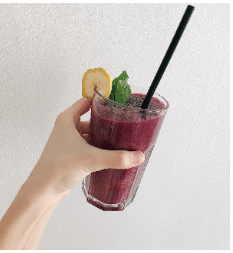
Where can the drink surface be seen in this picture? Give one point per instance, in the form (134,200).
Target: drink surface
(116,129)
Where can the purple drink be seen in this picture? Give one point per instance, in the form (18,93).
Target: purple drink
(124,128)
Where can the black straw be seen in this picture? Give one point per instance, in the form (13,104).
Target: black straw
(168,56)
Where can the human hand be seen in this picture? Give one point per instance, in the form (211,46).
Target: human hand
(67,157)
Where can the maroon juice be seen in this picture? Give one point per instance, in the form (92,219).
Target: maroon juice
(118,129)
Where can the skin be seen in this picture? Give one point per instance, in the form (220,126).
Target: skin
(66,159)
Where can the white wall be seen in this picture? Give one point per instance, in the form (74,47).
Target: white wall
(183,199)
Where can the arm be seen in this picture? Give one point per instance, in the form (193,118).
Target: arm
(23,224)
(66,159)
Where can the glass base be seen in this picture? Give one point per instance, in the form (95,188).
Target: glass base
(99,204)
(105,207)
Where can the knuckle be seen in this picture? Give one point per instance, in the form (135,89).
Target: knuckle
(60,118)
(124,159)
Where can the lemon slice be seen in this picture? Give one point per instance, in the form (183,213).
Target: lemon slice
(98,78)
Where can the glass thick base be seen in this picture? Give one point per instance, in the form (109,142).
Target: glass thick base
(103,206)
(128,195)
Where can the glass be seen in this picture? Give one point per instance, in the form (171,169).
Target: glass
(114,126)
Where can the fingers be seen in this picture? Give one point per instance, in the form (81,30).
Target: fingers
(79,108)
(120,159)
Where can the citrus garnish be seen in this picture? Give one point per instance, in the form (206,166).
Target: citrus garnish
(98,78)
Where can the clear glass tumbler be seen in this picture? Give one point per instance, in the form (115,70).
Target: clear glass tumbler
(114,126)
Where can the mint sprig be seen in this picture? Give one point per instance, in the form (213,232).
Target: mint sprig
(120,89)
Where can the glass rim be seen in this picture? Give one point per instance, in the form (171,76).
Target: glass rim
(164,101)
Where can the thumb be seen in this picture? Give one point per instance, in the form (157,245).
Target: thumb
(119,159)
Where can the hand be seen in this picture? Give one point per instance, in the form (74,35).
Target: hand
(67,157)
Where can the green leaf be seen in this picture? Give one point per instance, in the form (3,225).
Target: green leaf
(119,94)
(120,89)
(127,91)
(123,75)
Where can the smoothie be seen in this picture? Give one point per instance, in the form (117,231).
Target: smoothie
(115,129)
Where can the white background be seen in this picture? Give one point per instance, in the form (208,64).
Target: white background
(183,199)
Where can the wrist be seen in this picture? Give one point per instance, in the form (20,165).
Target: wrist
(31,192)
(41,189)
(43,181)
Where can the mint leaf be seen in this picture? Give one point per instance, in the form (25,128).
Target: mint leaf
(127,92)
(119,95)
(123,76)
(120,89)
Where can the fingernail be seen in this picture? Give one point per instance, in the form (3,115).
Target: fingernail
(139,157)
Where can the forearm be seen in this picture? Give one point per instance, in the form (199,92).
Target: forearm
(23,224)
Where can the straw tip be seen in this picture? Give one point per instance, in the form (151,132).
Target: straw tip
(191,7)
